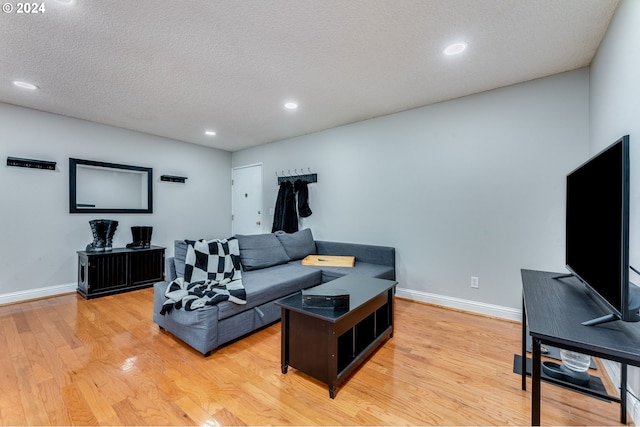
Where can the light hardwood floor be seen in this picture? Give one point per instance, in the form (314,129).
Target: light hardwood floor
(69,361)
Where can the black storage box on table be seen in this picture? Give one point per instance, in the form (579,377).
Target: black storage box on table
(330,298)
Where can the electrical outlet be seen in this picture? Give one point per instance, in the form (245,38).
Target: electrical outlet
(474,282)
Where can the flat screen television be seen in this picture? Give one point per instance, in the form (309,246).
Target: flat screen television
(597,231)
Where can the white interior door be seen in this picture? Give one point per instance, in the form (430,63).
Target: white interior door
(246,202)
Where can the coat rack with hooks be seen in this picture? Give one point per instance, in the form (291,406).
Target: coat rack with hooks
(293,177)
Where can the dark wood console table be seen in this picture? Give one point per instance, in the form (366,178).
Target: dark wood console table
(553,309)
(119,270)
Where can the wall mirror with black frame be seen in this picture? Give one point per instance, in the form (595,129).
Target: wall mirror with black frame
(100,187)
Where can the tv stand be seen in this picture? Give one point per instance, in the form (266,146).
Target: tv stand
(602,319)
(634,303)
(553,312)
(598,320)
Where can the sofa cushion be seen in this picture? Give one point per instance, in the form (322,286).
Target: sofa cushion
(383,255)
(270,284)
(260,251)
(179,256)
(297,245)
(360,268)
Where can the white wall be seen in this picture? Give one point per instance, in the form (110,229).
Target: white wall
(469,187)
(39,237)
(614,112)
(615,99)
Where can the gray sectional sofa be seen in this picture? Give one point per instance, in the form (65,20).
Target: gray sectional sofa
(271,269)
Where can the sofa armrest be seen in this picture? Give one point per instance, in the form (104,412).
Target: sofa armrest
(198,328)
(382,255)
(169,269)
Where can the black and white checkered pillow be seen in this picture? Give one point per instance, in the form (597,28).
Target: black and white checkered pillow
(214,260)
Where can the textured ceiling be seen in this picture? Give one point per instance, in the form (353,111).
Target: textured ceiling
(177,68)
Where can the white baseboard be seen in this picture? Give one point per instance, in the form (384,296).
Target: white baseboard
(30,294)
(461,304)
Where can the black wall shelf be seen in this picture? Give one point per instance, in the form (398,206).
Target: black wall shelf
(31,163)
(173,178)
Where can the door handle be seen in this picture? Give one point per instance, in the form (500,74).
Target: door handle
(257,222)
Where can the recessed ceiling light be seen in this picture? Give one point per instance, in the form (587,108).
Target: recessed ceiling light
(209,132)
(291,105)
(454,49)
(25,85)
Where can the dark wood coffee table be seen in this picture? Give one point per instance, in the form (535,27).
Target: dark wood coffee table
(328,344)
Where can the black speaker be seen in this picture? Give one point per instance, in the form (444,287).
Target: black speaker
(335,298)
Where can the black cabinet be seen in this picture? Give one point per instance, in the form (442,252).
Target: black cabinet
(119,270)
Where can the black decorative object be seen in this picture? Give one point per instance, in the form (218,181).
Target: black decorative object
(31,163)
(98,231)
(173,178)
(141,237)
(103,231)
(99,187)
(594,387)
(336,299)
(111,230)
(561,372)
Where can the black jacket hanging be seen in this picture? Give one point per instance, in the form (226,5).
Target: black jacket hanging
(278,214)
(285,216)
(303,198)
(290,211)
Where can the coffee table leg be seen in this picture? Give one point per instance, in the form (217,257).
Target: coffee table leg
(536,368)
(390,306)
(332,391)
(284,356)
